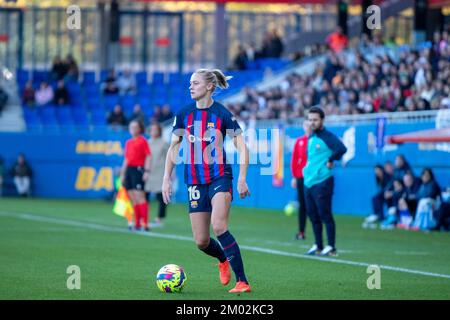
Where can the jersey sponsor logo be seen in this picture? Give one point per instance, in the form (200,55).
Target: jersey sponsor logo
(193,138)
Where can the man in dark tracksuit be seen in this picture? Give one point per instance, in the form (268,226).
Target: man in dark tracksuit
(323,148)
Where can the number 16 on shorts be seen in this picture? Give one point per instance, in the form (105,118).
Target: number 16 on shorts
(194,196)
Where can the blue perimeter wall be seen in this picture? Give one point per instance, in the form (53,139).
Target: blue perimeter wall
(62,171)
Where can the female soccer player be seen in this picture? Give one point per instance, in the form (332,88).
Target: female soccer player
(207,174)
(135,171)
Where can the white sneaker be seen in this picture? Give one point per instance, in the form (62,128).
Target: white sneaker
(313,251)
(371,219)
(329,251)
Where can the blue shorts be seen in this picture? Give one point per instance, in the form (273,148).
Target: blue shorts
(200,195)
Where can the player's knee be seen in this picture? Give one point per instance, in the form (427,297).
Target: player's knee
(202,243)
(219,228)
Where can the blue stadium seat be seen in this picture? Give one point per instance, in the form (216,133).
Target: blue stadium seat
(41,75)
(64,115)
(22,75)
(93,102)
(145,90)
(110,100)
(103,75)
(175,78)
(32,119)
(48,112)
(80,118)
(98,117)
(145,102)
(158,78)
(141,78)
(74,88)
(88,77)
(92,88)
(128,100)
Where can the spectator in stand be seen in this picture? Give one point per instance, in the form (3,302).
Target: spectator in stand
(401,167)
(110,84)
(3,99)
(166,114)
(22,173)
(126,82)
(443,213)
(276,46)
(72,68)
(382,181)
(407,204)
(138,115)
(392,219)
(117,118)
(44,95)
(156,113)
(28,94)
(241,60)
(427,196)
(337,41)
(59,69)
(61,96)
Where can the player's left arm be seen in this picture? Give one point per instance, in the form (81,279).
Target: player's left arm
(244,156)
(337,148)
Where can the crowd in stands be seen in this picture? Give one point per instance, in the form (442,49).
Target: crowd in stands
(272,47)
(405,201)
(345,84)
(64,69)
(342,84)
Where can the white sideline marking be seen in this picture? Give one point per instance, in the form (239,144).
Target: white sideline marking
(100,227)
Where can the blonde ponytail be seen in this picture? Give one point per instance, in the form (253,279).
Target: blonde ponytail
(215,76)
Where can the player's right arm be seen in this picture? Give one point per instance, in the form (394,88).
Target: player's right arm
(172,153)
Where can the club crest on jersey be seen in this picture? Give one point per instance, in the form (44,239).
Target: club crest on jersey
(194,204)
(210,125)
(317,146)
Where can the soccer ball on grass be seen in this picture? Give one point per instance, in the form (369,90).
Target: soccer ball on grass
(171,278)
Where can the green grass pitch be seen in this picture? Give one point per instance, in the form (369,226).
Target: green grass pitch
(39,239)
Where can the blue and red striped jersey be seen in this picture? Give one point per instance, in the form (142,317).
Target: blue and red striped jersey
(204,132)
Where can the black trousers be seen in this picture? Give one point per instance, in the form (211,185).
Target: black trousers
(318,206)
(377,205)
(302,205)
(162,205)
